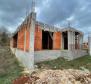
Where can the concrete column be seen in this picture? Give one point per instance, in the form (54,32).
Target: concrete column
(69,40)
(80,41)
(74,40)
(77,42)
(62,42)
(25,40)
(32,38)
(89,43)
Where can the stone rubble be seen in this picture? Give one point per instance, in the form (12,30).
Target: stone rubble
(64,77)
(69,76)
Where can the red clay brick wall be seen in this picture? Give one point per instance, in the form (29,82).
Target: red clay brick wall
(57,41)
(21,39)
(38,38)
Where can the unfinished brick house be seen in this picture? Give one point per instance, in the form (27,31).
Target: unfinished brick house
(34,41)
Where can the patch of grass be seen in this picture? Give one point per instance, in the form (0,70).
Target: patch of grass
(10,68)
(61,63)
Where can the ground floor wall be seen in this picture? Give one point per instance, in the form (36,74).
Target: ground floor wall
(28,58)
(53,54)
(73,54)
(46,55)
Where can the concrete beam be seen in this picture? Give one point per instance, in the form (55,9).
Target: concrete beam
(69,40)
(25,40)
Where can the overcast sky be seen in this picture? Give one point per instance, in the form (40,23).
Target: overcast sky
(54,12)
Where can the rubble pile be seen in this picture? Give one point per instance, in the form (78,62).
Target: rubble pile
(64,77)
(69,76)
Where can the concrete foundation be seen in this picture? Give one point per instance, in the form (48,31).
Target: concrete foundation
(53,54)
(27,59)
(46,55)
(70,55)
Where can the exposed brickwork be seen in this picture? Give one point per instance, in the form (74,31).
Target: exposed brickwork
(57,40)
(38,38)
(20,43)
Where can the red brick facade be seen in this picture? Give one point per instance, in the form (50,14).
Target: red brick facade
(57,41)
(24,31)
(20,42)
(38,38)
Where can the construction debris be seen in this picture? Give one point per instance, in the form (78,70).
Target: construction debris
(64,77)
(69,76)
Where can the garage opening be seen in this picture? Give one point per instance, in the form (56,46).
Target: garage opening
(65,40)
(47,40)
